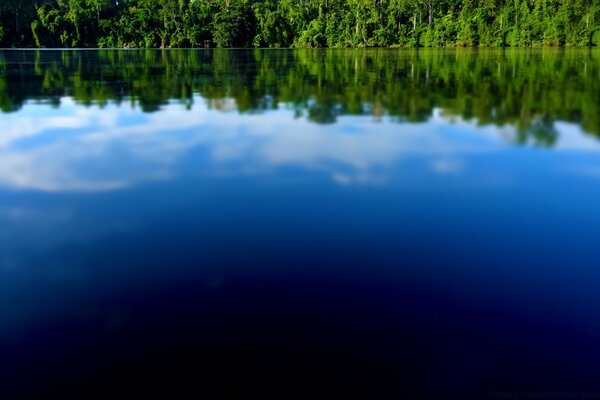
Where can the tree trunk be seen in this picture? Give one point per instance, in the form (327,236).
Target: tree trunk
(430,13)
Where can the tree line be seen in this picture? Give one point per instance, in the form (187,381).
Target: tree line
(528,89)
(298,23)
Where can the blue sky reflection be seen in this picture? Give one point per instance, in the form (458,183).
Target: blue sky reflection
(91,149)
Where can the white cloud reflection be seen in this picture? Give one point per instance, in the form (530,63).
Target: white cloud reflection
(91,149)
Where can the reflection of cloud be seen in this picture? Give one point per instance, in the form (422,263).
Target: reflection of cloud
(90,149)
(18,213)
(590,171)
(23,125)
(20,223)
(447,166)
(357,179)
(47,170)
(15,213)
(571,137)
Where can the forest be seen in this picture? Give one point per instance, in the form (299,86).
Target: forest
(298,23)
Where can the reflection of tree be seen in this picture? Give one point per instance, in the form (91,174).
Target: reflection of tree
(528,89)
(540,131)
(322,112)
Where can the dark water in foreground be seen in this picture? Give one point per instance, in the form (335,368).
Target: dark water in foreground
(300,224)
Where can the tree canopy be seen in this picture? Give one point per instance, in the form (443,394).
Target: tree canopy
(298,23)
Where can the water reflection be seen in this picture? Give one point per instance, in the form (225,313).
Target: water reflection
(410,224)
(528,89)
(98,149)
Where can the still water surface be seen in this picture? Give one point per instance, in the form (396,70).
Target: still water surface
(336,224)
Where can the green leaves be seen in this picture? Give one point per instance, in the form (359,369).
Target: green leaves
(298,23)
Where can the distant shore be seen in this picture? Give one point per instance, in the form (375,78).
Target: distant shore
(298,24)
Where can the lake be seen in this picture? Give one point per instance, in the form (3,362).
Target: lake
(381,224)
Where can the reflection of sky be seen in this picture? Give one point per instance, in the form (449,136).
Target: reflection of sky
(206,195)
(73,148)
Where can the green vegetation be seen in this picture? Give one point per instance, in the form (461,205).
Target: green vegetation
(298,23)
(529,89)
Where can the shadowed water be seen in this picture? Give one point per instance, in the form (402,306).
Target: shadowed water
(300,224)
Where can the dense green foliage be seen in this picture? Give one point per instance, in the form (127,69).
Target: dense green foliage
(298,23)
(527,89)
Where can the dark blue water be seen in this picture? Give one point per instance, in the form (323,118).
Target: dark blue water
(210,252)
